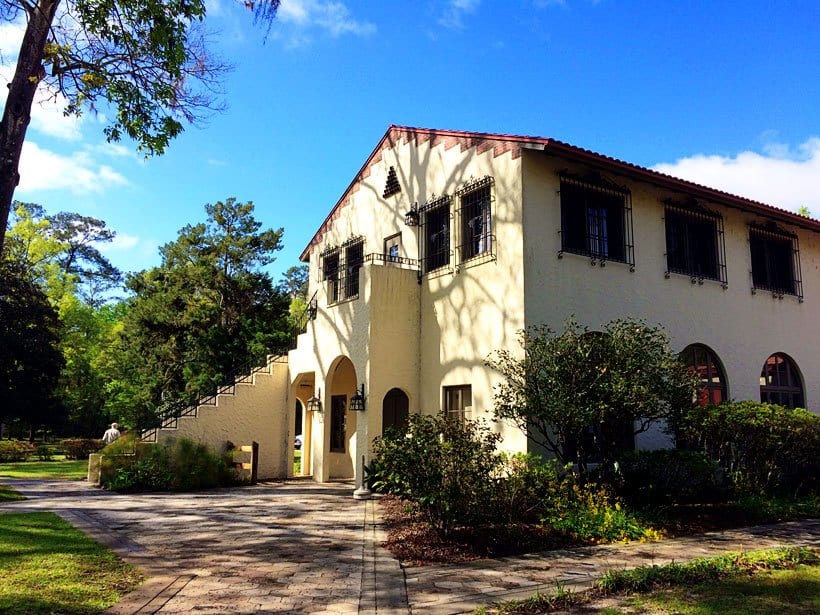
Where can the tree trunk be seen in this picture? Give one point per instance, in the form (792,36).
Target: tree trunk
(17,113)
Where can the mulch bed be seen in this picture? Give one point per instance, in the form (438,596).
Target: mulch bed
(415,543)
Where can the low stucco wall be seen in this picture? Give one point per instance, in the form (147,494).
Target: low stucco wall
(257,411)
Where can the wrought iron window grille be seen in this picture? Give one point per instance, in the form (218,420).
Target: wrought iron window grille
(695,242)
(596,220)
(775,256)
(475,221)
(434,239)
(340,267)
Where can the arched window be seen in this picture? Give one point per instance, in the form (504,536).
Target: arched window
(780,382)
(712,388)
(395,410)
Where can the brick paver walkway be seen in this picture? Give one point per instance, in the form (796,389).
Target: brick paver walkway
(300,547)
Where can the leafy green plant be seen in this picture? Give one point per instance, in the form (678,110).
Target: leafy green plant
(588,511)
(45,452)
(761,447)
(178,465)
(15,450)
(445,467)
(80,448)
(583,395)
(654,479)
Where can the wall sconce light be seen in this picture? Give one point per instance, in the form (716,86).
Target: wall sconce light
(314,404)
(357,401)
(411,218)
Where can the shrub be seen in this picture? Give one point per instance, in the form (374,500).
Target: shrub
(80,448)
(445,467)
(526,487)
(178,465)
(762,447)
(15,450)
(653,479)
(45,452)
(589,512)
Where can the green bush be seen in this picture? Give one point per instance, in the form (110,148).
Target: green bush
(445,467)
(527,485)
(178,465)
(761,447)
(653,479)
(80,448)
(15,450)
(45,452)
(588,511)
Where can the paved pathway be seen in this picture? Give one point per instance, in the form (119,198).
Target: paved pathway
(300,547)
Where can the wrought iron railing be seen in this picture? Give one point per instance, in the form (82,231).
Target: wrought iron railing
(188,404)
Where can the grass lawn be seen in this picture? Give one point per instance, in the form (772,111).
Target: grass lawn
(796,592)
(62,469)
(767,582)
(297,463)
(47,566)
(7,494)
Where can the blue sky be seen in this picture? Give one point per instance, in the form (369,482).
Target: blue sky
(726,94)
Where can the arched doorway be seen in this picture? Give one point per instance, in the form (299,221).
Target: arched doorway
(395,410)
(340,421)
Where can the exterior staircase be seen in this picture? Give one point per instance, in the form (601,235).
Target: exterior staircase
(170,419)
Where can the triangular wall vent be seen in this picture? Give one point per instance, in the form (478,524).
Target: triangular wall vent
(392,186)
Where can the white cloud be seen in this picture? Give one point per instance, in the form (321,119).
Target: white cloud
(122,241)
(42,170)
(781,176)
(454,13)
(334,18)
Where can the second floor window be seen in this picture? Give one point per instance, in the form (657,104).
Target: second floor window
(354,257)
(340,270)
(775,262)
(435,229)
(694,242)
(330,274)
(595,220)
(476,219)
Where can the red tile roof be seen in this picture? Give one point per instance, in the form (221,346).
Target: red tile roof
(502,143)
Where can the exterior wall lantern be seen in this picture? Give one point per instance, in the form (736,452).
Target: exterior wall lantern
(357,401)
(314,404)
(411,218)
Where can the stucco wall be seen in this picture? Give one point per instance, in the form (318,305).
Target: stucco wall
(258,411)
(742,328)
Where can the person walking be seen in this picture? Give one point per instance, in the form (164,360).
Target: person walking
(111,434)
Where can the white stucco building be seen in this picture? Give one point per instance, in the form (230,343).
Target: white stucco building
(446,244)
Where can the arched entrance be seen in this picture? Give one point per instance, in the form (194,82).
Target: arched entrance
(340,421)
(395,410)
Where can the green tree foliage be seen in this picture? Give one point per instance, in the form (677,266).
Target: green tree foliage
(294,282)
(579,393)
(146,59)
(30,359)
(804,211)
(206,310)
(59,255)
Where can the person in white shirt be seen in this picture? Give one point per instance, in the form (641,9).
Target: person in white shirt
(111,434)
